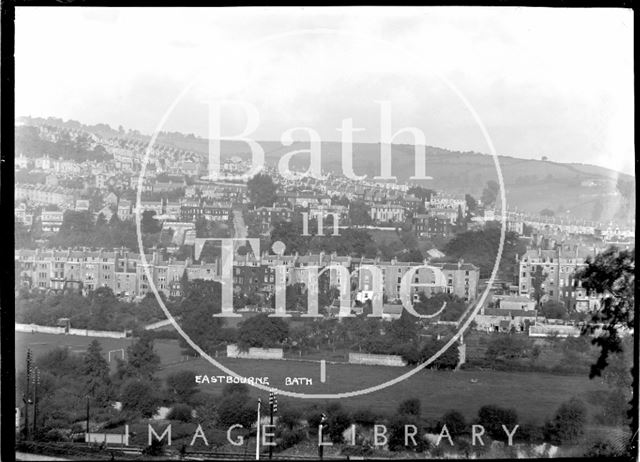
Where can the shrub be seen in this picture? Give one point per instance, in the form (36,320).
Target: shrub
(492,418)
(235,409)
(138,395)
(181,385)
(409,407)
(290,417)
(235,388)
(338,420)
(289,437)
(156,448)
(396,433)
(455,423)
(364,417)
(568,424)
(313,416)
(181,412)
(529,433)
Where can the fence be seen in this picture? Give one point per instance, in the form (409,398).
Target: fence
(550,330)
(376,360)
(108,438)
(34,328)
(255,353)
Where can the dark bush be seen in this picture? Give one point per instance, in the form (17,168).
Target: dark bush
(492,418)
(364,417)
(410,407)
(181,412)
(455,423)
(568,424)
(290,417)
(288,437)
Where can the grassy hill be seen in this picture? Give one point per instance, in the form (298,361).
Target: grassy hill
(588,192)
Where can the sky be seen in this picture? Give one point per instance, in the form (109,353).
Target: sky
(543,81)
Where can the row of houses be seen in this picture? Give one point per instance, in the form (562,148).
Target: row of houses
(123,271)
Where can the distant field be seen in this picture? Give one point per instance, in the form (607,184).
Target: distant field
(168,350)
(535,396)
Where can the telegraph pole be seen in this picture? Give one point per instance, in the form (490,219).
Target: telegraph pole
(88,438)
(26,395)
(36,381)
(273,408)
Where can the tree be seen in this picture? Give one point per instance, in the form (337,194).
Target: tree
(568,424)
(490,193)
(455,423)
(202,300)
(180,412)
(492,418)
(554,310)
(338,420)
(236,409)
(359,213)
(262,190)
(537,279)
(138,396)
(95,371)
(413,255)
(612,275)
(506,347)
(262,331)
(547,212)
(181,385)
(423,193)
(149,224)
(405,329)
(409,406)
(461,222)
(397,431)
(101,221)
(103,304)
(142,361)
(472,204)
(481,248)
(448,360)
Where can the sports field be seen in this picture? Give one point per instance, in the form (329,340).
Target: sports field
(168,350)
(535,396)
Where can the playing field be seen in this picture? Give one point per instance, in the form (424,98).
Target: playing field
(168,350)
(535,396)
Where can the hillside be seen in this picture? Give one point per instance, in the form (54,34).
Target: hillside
(586,191)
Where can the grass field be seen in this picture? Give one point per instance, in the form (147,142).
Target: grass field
(168,350)
(535,396)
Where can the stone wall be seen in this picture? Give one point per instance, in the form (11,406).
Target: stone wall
(377,360)
(255,353)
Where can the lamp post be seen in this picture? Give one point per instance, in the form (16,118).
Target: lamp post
(321,436)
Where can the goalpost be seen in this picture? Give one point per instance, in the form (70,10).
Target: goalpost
(119,350)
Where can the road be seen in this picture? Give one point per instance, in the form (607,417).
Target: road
(240,229)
